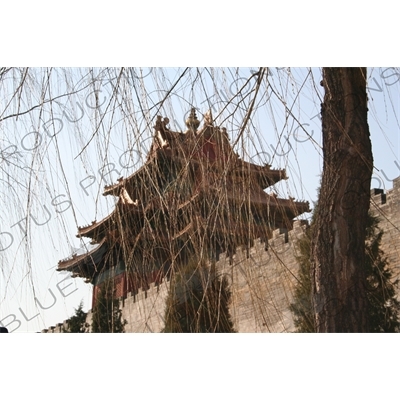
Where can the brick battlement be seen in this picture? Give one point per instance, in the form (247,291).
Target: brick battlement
(262,276)
(386,206)
(142,309)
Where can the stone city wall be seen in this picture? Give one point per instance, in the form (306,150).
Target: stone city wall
(262,278)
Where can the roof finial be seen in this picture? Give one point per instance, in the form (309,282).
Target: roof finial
(208,119)
(192,122)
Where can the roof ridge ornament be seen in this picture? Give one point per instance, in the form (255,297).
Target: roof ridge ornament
(208,118)
(192,122)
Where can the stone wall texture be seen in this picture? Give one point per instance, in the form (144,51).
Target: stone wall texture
(262,277)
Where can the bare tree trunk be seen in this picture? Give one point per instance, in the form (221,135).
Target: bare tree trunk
(338,245)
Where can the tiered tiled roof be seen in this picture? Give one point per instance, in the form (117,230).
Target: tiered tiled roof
(193,190)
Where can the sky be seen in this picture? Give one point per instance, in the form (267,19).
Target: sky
(58,157)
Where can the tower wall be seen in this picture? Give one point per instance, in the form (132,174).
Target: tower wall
(386,206)
(262,281)
(144,310)
(262,277)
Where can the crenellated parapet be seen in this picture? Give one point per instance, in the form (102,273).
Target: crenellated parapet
(58,328)
(143,310)
(262,279)
(262,276)
(386,206)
